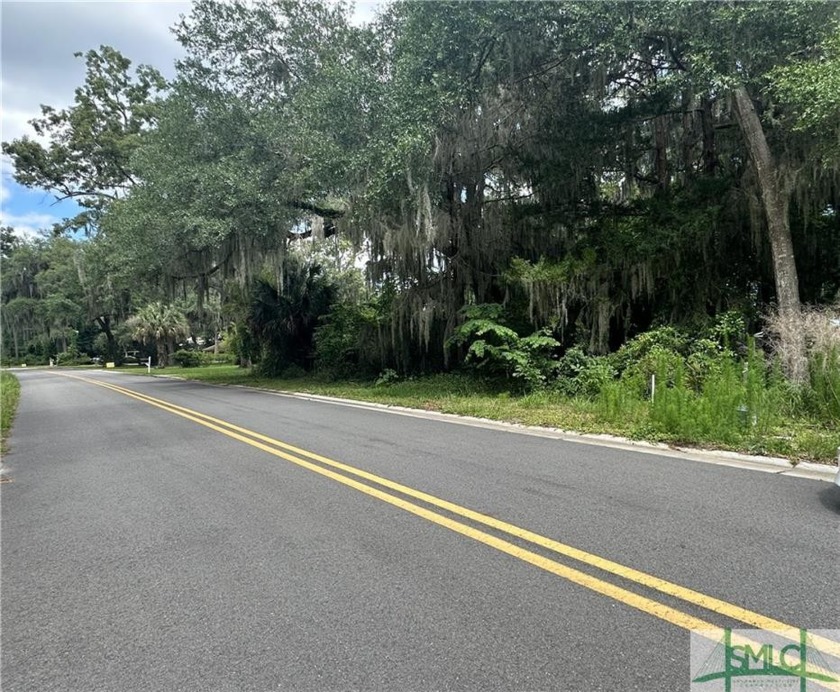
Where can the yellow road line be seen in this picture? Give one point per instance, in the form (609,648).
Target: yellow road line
(640,602)
(655,583)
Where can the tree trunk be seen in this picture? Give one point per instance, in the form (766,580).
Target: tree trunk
(775,203)
(104,322)
(688,135)
(660,131)
(709,155)
(17,343)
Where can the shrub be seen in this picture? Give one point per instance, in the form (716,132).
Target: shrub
(729,330)
(387,376)
(668,366)
(567,370)
(581,374)
(72,357)
(345,340)
(223,357)
(705,358)
(499,349)
(660,340)
(597,374)
(31,359)
(188,359)
(292,372)
(739,399)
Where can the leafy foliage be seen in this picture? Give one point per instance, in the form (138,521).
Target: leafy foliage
(283,316)
(185,358)
(343,339)
(163,325)
(91,144)
(9,397)
(499,349)
(626,185)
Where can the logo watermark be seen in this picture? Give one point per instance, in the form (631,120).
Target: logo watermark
(748,660)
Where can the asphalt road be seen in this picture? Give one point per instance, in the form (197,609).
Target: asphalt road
(149,547)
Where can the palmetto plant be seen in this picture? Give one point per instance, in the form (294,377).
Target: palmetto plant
(161,324)
(283,315)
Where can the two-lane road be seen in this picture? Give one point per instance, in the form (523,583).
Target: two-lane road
(167,535)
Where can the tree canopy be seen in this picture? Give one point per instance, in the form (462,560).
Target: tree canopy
(596,168)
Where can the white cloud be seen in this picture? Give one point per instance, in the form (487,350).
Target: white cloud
(40,38)
(29,224)
(37,46)
(15,122)
(365,11)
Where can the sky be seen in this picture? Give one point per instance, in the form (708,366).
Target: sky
(37,67)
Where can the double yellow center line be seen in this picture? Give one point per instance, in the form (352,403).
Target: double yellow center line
(361,480)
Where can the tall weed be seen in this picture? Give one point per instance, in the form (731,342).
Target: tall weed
(824,377)
(820,329)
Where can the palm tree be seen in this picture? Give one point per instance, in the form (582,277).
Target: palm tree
(162,324)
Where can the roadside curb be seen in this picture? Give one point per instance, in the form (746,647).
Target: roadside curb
(776,465)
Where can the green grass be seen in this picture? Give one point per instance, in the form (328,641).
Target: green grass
(708,419)
(9,397)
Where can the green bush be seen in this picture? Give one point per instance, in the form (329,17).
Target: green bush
(31,359)
(738,400)
(667,365)
(656,341)
(729,330)
(500,350)
(387,376)
(292,372)
(705,359)
(188,359)
(345,341)
(72,357)
(227,358)
(242,344)
(703,391)
(598,373)
(567,370)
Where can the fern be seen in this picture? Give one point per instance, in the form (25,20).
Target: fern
(496,347)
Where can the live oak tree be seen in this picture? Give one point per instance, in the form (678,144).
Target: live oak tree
(232,174)
(734,49)
(88,148)
(84,153)
(42,300)
(810,87)
(597,168)
(225,182)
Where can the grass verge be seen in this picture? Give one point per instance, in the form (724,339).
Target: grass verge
(615,411)
(9,397)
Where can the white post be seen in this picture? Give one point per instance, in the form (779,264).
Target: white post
(652,387)
(149,365)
